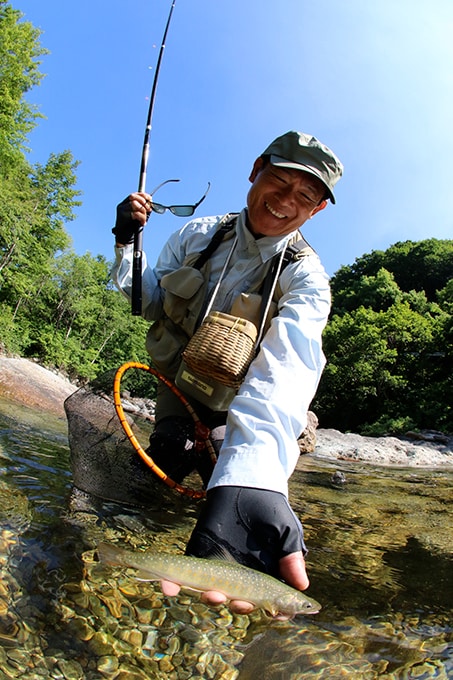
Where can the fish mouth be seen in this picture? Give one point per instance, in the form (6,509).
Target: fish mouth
(274,212)
(288,616)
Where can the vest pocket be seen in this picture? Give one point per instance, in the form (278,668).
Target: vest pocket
(184,291)
(165,343)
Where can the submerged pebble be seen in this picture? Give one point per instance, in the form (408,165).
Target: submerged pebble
(65,617)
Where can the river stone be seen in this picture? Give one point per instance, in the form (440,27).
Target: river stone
(307,440)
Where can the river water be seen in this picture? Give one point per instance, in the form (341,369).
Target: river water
(380,562)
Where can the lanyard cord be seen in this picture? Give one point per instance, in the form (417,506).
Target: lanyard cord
(222,274)
(270,283)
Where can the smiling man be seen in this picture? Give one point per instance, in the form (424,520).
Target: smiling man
(231,262)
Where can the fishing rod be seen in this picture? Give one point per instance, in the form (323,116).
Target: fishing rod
(138,236)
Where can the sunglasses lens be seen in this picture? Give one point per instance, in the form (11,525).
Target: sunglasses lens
(179,210)
(182,210)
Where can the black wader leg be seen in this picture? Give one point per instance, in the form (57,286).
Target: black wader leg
(171,446)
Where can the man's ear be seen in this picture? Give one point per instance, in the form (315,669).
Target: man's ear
(258,164)
(319,207)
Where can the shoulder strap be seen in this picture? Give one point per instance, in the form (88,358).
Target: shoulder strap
(297,248)
(226,225)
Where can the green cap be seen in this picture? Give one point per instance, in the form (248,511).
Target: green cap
(303,152)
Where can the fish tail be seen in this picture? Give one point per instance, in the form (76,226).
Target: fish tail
(109,554)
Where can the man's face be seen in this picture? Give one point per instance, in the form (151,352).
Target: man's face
(280,200)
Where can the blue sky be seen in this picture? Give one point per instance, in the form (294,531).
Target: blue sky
(372,80)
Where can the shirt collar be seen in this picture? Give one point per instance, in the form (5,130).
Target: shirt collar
(266,246)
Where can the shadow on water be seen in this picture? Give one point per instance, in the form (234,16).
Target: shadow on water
(426,578)
(380,561)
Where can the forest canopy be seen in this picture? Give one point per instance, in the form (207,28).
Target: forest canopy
(55,306)
(388,342)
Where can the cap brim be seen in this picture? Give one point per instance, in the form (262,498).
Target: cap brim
(284,163)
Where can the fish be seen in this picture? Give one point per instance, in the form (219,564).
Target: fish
(234,580)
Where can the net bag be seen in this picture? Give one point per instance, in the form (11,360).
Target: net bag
(222,348)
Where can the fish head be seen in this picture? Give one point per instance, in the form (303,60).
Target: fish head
(294,603)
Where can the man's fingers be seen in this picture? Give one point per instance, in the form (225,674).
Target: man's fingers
(292,570)
(169,588)
(241,607)
(238,606)
(213,597)
(139,205)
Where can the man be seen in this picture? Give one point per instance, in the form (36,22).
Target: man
(246,512)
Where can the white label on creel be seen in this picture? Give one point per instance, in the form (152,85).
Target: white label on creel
(196,382)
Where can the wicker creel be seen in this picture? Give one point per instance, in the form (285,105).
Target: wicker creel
(222,348)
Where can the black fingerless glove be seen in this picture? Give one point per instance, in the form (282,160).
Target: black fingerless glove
(256,526)
(125,227)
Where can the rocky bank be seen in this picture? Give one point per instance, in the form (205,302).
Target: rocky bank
(26,382)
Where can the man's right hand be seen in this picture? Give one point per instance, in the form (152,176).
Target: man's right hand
(131,214)
(257,528)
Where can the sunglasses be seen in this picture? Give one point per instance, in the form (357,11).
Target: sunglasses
(179,210)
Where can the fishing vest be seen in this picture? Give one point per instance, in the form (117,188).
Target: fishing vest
(186,293)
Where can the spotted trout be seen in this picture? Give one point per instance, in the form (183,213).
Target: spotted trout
(234,580)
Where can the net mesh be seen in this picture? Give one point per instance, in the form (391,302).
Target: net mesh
(103,460)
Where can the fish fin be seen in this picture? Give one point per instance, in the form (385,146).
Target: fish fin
(220,552)
(142,575)
(271,611)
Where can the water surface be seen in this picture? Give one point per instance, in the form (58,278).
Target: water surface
(380,562)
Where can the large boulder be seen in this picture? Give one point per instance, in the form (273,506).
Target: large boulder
(307,440)
(26,382)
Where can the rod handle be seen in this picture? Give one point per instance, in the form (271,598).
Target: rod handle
(136,297)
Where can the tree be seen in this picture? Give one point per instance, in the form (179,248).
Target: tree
(20,54)
(415,266)
(79,323)
(388,347)
(33,214)
(35,202)
(55,306)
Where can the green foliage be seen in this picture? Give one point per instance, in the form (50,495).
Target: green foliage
(77,322)
(35,202)
(424,266)
(19,72)
(389,342)
(385,425)
(55,306)
(12,339)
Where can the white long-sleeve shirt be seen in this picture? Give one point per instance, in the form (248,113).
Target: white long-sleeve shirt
(269,412)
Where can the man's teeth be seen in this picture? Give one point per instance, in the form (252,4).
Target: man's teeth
(274,212)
